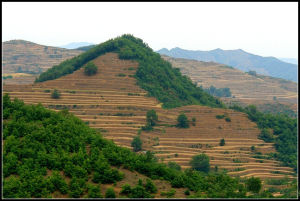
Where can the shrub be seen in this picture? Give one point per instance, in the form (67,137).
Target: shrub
(174,165)
(55,94)
(266,135)
(219,116)
(222,142)
(228,119)
(187,192)
(90,69)
(94,191)
(126,189)
(182,121)
(136,144)
(253,184)
(150,187)
(121,75)
(152,117)
(169,194)
(110,193)
(200,163)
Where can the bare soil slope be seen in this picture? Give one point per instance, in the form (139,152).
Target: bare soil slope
(113,103)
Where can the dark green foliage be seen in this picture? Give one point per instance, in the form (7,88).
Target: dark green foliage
(182,121)
(266,135)
(150,186)
(219,116)
(227,119)
(110,193)
(284,128)
(221,92)
(90,69)
(55,94)
(136,144)
(37,140)
(187,192)
(222,142)
(94,191)
(151,117)
(121,75)
(7,77)
(200,163)
(154,74)
(174,165)
(126,189)
(253,184)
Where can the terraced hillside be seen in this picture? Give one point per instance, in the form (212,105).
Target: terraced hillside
(21,56)
(112,102)
(245,88)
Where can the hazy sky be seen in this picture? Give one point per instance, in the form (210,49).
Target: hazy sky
(266,29)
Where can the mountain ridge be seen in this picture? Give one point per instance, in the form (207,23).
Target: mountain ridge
(239,59)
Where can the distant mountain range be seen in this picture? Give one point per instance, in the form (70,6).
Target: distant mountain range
(75,45)
(290,60)
(241,60)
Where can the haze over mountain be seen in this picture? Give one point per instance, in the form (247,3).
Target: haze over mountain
(75,45)
(289,60)
(239,59)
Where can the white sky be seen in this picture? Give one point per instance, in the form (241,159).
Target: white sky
(266,29)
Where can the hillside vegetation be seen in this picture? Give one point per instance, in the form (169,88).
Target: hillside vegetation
(154,74)
(280,129)
(50,154)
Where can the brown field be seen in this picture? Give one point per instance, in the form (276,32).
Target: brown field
(246,88)
(32,57)
(117,106)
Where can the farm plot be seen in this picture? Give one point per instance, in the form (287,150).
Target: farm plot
(117,107)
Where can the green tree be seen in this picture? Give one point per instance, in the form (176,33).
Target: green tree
(266,135)
(151,117)
(182,121)
(200,163)
(222,142)
(174,165)
(94,191)
(137,144)
(150,187)
(110,193)
(55,94)
(253,184)
(90,69)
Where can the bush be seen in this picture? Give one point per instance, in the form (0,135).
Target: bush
(228,119)
(200,163)
(266,136)
(55,94)
(222,142)
(152,117)
(150,186)
(137,144)
(174,165)
(253,184)
(182,121)
(219,116)
(90,69)
(110,193)
(187,192)
(94,191)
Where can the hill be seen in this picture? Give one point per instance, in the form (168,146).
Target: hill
(76,45)
(241,60)
(113,102)
(267,93)
(25,60)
